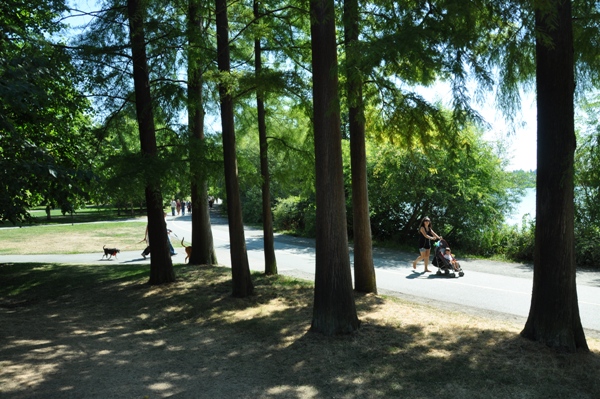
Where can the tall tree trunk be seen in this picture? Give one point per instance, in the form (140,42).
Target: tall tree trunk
(554,313)
(240,269)
(269,242)
(334,310)
(203,252)
(364,270)
(161,266)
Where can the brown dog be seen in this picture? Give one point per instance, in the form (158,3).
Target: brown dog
(110,252)
(188,250)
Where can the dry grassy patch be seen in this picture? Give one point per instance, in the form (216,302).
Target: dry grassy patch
(116,337)
(69,239)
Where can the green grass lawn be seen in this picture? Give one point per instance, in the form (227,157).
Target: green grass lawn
(82,215)
(71,239)
(86,231)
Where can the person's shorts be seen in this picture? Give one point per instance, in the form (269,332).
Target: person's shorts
(424,249)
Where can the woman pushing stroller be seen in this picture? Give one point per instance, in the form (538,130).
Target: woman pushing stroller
(426,234)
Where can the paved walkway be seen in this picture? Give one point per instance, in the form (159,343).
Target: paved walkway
(489,287)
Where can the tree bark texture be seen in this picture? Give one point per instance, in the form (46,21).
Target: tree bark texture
(334,310)
(203,252)
(161,266)
(554,313)
(364,269)
(240,269)
(269,242)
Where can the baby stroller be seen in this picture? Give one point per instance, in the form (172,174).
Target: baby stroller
(444,266)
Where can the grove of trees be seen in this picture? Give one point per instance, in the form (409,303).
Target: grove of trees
(310,110)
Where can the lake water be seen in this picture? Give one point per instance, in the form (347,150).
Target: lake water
(526,206)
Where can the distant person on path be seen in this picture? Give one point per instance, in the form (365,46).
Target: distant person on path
(146,251)
(426,234)
(182,208)
(173,206)
(178,207)
(146,239)
(169,231)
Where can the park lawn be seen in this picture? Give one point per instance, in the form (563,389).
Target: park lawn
(100,331)
(83,215)
(72,238)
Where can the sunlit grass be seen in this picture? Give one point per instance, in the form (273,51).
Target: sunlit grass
(70,239)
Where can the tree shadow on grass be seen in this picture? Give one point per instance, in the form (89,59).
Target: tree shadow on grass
(117,337)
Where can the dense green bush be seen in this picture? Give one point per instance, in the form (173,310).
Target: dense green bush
(519,242)
(292,214)
(587,193)
(252,205)
(587,248)
(310,219)
(464,191)
(512,242)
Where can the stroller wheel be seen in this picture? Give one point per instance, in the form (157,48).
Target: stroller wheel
(461,273)
(452,275)
(439,272)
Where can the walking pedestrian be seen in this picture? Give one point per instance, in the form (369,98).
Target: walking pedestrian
(426,234)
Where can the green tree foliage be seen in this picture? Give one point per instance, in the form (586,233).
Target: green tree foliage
(586,35)
(103,56)
(464,189)
(510,50)
(118,164)
(44,135)
(291,149)
(416,43)
(587,189)
(524,179)
(295,214)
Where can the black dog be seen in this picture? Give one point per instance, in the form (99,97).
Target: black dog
(110,252)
